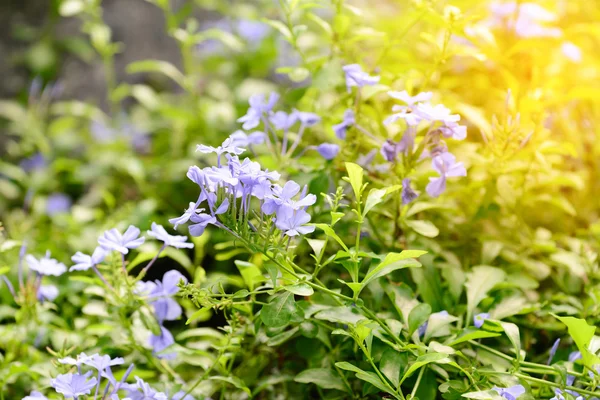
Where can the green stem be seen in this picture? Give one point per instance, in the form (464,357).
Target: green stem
(417,383)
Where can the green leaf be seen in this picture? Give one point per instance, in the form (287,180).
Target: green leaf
(418,316)
(281,338)
(163,67)
(424,360)
(582,335)
(346,366)
(343,315)
(237,382)
(373,379)
(425,228)
(300,289)
(202,314)
(281,27)
(392,364)
(250,273)
(331,233)
(70,8)
(376,196)
(479,282)
(472,334)
(279,311)
(322,377)
(392,262)
(483,395)
(355,176)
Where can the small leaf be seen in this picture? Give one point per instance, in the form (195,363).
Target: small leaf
(301,289)
(250,273)
(376,196)
(281,27)
(424,360)
(281,338)
(343,315)
(355,176)
(425,228)
(393,262)
(418,316)
(322,377)
(331,233)
(392,364)
(479,282)
(237,382)
(472,334)
(279,311)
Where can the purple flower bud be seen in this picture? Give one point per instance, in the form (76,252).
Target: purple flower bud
(328,150)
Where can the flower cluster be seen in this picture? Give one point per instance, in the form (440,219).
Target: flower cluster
(229,191)
(72,385)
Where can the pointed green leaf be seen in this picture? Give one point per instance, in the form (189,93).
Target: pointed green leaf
(424,360)
(582,335)
(322,377)
(279,311)
(479,282)
(355,176)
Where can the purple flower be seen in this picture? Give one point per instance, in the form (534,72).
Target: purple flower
(511,393)
(258,108)
(328,150)
(35,396)
(160,295)
(479,319)
(181,396)
(574,356)
(187,214)
(283,121)
(436,113)
(176,241)
(161,342)
(57,203)
(228,146)
(45,265)
(81,358)
(35,162)
(47,293)
(113,240)
(142,391)
(73,385)
(306,119)
(200,222)
(241,139)
(390,150)
(355,76)
(553,351)
(445,164)
(285,196)
(408,195)
(342,128)
(85,262)
(454,131)
(559,395)
(411,100)
(292,222)
(423,328)
(100,363)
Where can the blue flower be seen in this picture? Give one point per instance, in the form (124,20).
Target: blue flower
(113,240)
(292,222)
(241,139)
(341,129)
(47,293)
(355,76)
(407,112)
(258,108)
(411,100)
(35,162)
(390,150)
(511,393)
(285,196)
(553,350)
(328,150)
(73,385)
(57,203)
(160,295)
(85,262)
(45,265)
(80,360)
(100,363)
(181,396)
(228,146)
(35,396)
(283,121)
(479,319)
(176,241)
(200,222)
(445,164)
(142,391)
(306,119)
(161,342)
(408,195)
(187,214)
(574,356)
